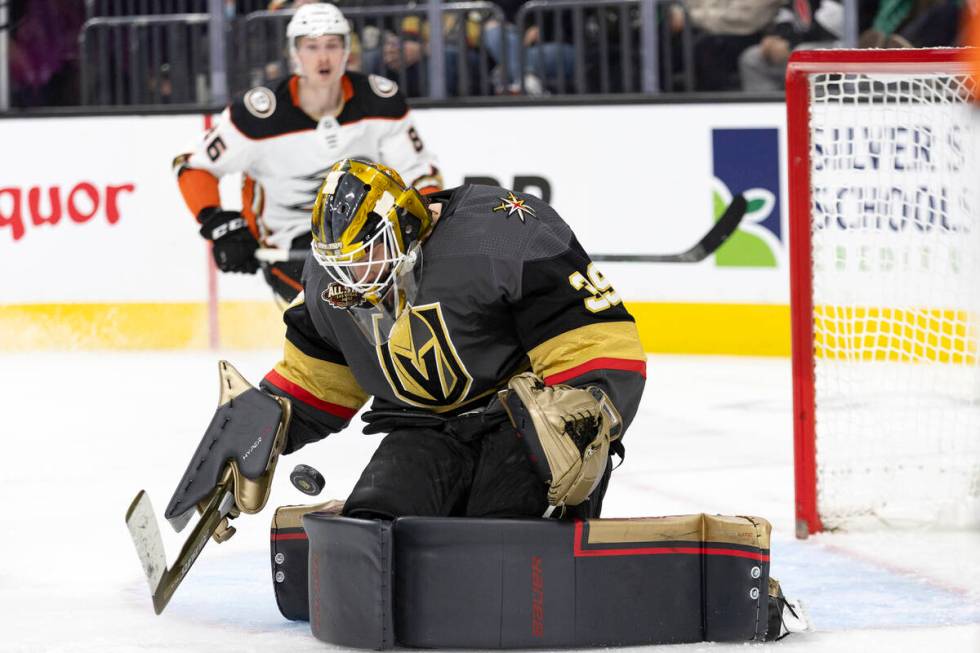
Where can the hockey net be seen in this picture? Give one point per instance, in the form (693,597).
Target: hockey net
(885,264)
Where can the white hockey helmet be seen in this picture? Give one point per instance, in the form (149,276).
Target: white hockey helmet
(317,19)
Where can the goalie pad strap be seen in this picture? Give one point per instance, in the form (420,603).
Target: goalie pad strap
(522,583)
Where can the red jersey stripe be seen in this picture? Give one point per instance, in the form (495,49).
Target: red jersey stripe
(624,364)
(307,397)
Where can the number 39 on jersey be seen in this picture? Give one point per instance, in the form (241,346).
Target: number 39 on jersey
(602,294)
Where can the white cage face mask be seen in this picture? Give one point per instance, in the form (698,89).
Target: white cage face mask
(366,270)
(377,318)
(376,309)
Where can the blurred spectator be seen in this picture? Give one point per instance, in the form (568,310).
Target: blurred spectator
(403,56)
(548,55)
(936,25)
(913,23)
(723,29)
(503,42)
(810,24)
(43,51)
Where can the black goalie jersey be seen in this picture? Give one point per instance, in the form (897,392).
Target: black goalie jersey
(505,288)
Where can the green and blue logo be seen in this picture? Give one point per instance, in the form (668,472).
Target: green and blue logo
(746,161)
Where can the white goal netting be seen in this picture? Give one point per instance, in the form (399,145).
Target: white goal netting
(896,292)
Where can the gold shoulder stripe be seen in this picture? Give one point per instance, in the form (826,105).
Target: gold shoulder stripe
(603,342)
(327,381)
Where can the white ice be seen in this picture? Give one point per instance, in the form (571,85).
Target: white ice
(82,433)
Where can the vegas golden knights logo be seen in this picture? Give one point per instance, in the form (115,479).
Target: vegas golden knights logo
(421,363)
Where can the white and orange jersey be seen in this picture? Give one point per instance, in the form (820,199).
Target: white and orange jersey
(285,154)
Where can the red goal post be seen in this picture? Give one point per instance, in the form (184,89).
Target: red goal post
(855,351)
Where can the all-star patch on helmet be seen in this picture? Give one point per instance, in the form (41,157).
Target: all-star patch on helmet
(368,228)
(318,19)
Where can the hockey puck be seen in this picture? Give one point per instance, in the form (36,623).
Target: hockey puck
(307,480)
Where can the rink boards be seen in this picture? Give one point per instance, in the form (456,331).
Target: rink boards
(97,249)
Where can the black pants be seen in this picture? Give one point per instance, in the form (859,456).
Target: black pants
(426,472)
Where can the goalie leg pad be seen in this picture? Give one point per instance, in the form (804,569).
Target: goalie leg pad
(289,551)
(350,593)
(531,583)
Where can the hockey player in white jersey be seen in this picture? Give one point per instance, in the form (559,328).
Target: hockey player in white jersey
(285,138)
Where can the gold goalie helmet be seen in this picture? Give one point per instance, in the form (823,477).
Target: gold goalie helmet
(368,229)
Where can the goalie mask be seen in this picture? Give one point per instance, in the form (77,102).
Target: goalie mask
(368,229)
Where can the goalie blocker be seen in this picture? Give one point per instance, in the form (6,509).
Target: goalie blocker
(525,583)
(230,473)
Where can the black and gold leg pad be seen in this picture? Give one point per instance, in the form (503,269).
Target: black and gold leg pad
(531,583)
(289,549)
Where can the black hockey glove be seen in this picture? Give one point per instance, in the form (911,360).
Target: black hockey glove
(234,245)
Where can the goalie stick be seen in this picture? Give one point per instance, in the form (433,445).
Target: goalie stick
(711,241)
(142,525)
(229,474)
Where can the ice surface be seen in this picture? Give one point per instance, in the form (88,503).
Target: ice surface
(82,433)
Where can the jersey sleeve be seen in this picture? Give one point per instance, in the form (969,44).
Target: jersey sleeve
(314,375)
(575,329)
(403,149)
(222,150)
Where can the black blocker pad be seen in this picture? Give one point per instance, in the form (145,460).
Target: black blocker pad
(243,430)
(530,583)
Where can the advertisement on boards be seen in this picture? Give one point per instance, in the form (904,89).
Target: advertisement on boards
(98,219)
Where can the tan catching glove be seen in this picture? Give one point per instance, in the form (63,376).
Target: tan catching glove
(567,432)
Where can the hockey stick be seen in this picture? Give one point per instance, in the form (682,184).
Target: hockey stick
(711,241)
(142,525)
(276,255)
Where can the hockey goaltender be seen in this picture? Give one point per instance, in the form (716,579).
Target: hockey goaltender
(504,371)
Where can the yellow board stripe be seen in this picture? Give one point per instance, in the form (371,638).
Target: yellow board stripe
(103,326)
(668,328)
(327,381)
(872,333)
(732,329)
(130,326)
